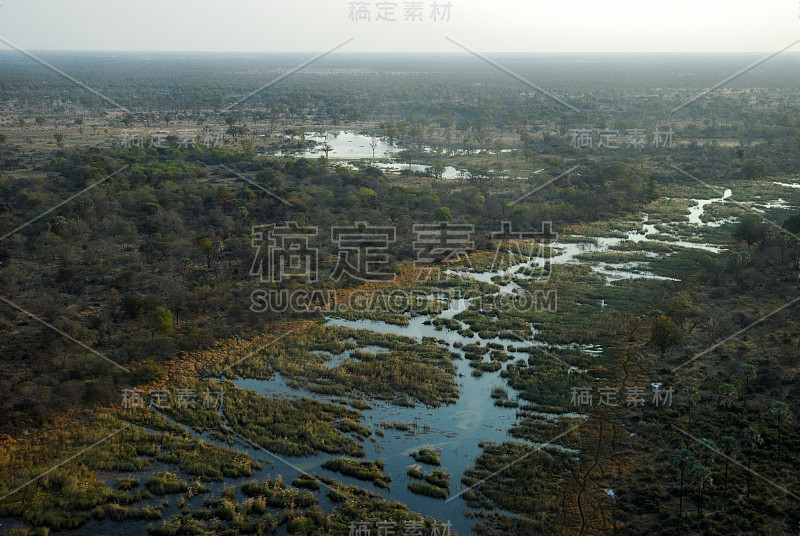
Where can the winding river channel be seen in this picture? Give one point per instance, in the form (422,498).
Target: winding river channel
(455,430)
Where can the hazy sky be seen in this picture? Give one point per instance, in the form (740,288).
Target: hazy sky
(316,25)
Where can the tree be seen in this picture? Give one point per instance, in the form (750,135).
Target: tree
(437,170)
(616,171)
(161,321)
(726,392)
(683,460)
(235,131)
(793,224)
(186,262)
(665,334)
(754,169)
(781,413)
(702,476)
(681,308)
(374,144)
(751,438)
(691,395)
(248,194)
(749,372)
(59,137)
(272,179)
(750,230)
(713,324)
(210,249)
(529,155)
(223,195)
(149,371)
(442,214)
(727,446)
(247,145)
(367,197)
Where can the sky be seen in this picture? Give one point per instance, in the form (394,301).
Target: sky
(482,25)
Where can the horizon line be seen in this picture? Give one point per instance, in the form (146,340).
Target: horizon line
(376,53)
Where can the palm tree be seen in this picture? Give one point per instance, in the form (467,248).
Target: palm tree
(692,395)
(727,446)
(705,455)
(683,460)
(780,412)
(726,391)
(702,475)
(749,372)
(751,438)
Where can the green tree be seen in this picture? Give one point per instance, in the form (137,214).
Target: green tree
(749,372)
(223,194)
(727,446)
(665,334)
(161,321)
(680,307)
(750,230)
(242,213)
(702,476)
(754,169)
(793,224)
(780,413)
(751,438)
(725,393)
(210,250)
(692,396)
(247,145)
(149,371)
(442,214)
(272,179)
(437,170)
(682,460)
(248,194)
